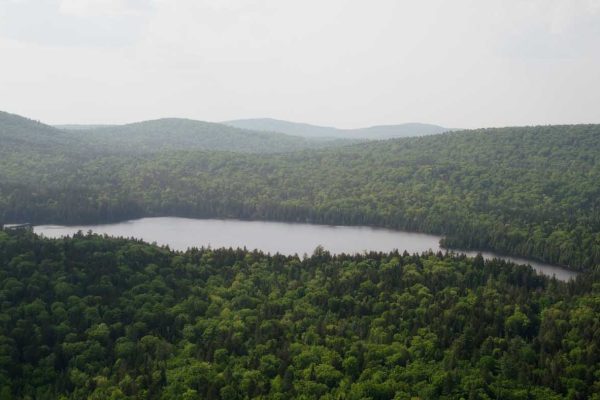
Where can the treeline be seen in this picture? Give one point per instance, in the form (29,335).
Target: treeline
(94,317)
(531,192)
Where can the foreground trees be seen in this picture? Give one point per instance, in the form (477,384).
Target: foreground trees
(94,317)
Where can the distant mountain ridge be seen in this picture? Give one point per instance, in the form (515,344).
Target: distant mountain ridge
(316,131)
(19,133)
(179,134)
(187,134)
(82,127)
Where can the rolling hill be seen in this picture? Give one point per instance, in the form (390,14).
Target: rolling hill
(185,134)
(20,134)
(315,131)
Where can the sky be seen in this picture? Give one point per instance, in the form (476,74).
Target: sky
(344,63)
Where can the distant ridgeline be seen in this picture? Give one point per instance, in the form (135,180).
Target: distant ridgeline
(315,131)
(524,191)
(100,318)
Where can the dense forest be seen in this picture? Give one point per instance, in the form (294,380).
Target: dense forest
(532,191)
(93,317)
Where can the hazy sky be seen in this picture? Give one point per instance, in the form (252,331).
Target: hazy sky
(347,63)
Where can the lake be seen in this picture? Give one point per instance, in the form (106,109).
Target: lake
(273,237)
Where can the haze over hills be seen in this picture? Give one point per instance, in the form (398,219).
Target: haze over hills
(20,132)
(173,134)
(186,134)
(168,134)
(316,131)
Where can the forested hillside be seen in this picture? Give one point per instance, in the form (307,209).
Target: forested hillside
(102,318)
(18,134)
(533,192)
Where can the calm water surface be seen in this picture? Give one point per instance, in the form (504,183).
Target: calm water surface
(273,237)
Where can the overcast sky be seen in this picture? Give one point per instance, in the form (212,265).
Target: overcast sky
(346,63)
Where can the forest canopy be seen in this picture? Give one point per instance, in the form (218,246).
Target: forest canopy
(93,317)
